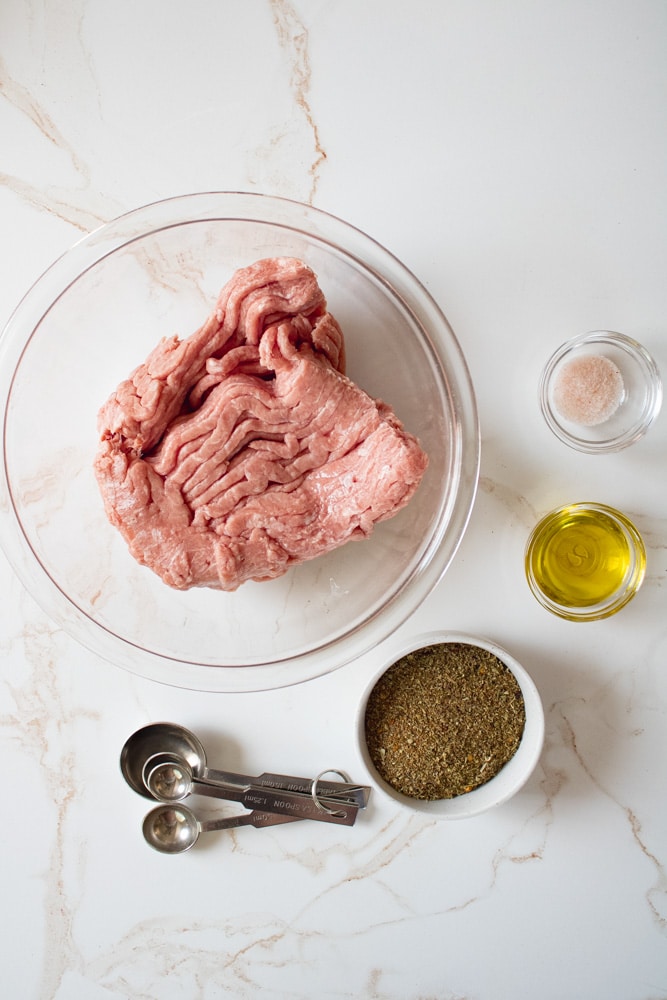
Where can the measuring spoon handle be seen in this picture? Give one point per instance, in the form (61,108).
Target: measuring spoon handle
(256,818)
(284,803)
(339,790)
(298,805)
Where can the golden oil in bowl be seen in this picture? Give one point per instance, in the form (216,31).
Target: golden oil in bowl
(585,561)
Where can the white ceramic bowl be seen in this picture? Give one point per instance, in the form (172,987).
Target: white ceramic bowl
(94,316)
(508,780)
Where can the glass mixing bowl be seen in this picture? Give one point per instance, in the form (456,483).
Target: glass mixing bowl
(94,316)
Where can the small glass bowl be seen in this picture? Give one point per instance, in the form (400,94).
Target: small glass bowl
(585,561)
(640,398)
(508,781)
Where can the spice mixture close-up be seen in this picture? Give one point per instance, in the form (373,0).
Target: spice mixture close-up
(443,720)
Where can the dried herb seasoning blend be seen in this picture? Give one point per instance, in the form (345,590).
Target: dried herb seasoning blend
(443,720)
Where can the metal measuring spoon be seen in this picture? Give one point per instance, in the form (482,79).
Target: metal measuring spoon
(170,781)
(175,829)
(169,778)
(158,738)
(179,743)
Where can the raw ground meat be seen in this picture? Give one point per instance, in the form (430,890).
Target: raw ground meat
(243,450)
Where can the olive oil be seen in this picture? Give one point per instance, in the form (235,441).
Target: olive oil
(585,561)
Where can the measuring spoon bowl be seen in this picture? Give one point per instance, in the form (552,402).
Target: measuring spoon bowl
(164,738)
(171,829)
(168,779)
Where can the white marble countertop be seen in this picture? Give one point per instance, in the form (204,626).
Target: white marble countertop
(513,156)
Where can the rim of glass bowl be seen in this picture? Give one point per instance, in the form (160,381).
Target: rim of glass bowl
(438,335)
(653,402)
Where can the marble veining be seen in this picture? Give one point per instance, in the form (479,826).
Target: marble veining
(656,894)
(293,38)
(430,143)
(75,203)
(41,723)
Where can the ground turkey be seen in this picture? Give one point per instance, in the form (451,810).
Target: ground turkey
(243,450)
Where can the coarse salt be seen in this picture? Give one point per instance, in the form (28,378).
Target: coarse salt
(588,390)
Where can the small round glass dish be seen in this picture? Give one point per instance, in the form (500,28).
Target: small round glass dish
(441,722)
(585,561)
(600,392)
(94,316)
